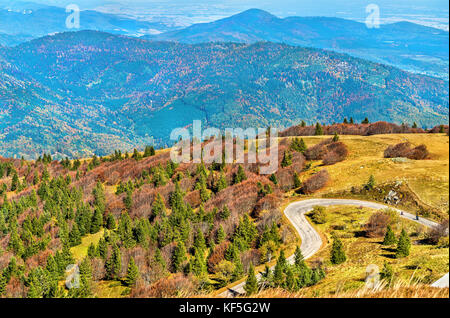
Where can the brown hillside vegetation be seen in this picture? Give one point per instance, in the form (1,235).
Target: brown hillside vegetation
(377,128)
(405,150)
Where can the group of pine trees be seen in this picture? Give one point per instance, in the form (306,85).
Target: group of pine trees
(290,277)
(403,242)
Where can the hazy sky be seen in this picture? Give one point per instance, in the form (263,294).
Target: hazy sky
(431,12)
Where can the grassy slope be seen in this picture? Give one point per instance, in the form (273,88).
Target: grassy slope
(429,179)
(426,263)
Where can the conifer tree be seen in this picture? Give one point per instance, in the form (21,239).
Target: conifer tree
(220,235)
(225,214)
(365,121)
(240,175)
(158,207)
(110,222)
(387,273)
(335,137)
(179,257)
(287,160)
(290,283)
(337,252)
(351,120)
(199,241)
(221,183)
(319,130)
(251,285)
(299,260)
(273,178)
(370,183)
(403,245)
(389,237)
(74,236)
(97,221)
(15,182)
(114,264)
(132,273)
(345,120)
(297,181)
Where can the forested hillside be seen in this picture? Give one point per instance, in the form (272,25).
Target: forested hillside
(75,94)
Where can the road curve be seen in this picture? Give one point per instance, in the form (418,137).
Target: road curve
(311,241)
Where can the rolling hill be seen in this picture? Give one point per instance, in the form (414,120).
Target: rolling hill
(79,93)
(409,46)
(23,21)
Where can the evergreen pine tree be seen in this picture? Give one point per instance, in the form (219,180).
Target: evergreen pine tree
(287,160)
(273,178)
(403,245)
(337,252)
(299,260)
(132,273)
(179,257)
(251,285)
(319,130)
(335,137)
(297,181)
(365,121)
(240,175)
(389,237)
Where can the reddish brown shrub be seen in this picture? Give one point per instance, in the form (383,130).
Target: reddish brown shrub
(217,256)
(376,226)
(438,232)
(316,182)
(405,150)
(176,286)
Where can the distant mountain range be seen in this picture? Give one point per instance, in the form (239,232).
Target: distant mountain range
(81,92)
(411,47)
(23,21)
(406,45)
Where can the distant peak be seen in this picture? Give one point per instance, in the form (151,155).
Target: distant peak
(255,13)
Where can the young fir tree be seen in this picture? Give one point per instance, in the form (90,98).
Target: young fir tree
(345,120)
(389,237)
(225,214)
(297,181)
(299,260)
(132,273)
(365,121)
(220,235)
(158,207)
(240,175)
(387,273)
(319,130)
(15,182)
(273,178)
(221,183)
(403,245)
(370,183)
(179,257)
(114,264)
(335,137)
(337,252)
(298,144)
(251,285)
(110,222)
(287,160)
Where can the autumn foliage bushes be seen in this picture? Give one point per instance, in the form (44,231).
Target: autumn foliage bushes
(329,151)
(377,128)
(406,150)
(316,182)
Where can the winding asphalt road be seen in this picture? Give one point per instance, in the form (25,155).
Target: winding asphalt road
(311,240)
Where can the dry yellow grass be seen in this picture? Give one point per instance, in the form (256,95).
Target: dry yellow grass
(400,290)
(426,263)
(429,179)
